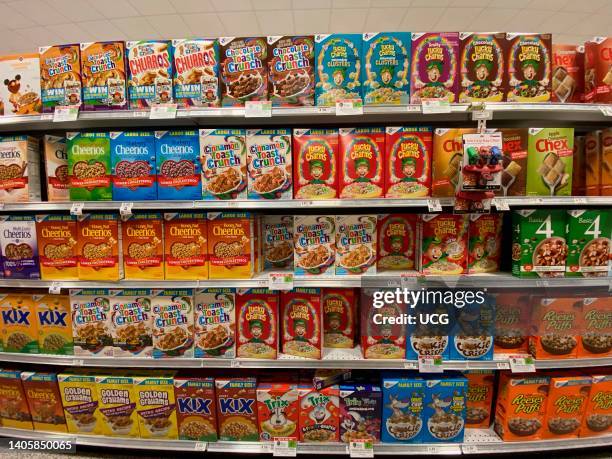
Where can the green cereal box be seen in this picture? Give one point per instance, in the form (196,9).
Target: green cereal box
(89,166)
(538,243)
(549,161)
(588,239)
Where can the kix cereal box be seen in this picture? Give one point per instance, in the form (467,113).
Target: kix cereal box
(396,242)
(215,323)
(596,419)
(565,407)
(20,93)
(485,239)
(196,409)
(237,409)
(408,162)
(92,322)
(80,401)
(89,166)
(339,317)
(14,410)
(56,167)
(54,324)
(99,247)
(44,400)
(319,413)
(60,76)
(301,322)
(150,72)
(338,68)
(315,165)
(19,247)
(196,72)
(57,237)
(257,312)
(172,318)
(133,166)
(362,173)
(277,410)
(595,339)
(19,169)
(178,168)
(143,250)
(314,240)
(549,161)
(233,245)
(117,405)
(356,244)
(447,157)
(156,406)
(131,323)
(481,385)
(103,70)
(269,164)
(185,248)
(19,323)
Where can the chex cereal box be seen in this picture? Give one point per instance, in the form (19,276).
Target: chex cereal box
(131,320)
(196,72)
(549,161)
(444,408)
(57,246)
(133,166)
(150,72)
(362,174)
(485,240)
(360,412)
(92,322)
(14,410)
(598,75)
(291,73)
(257,312)
(314,240)
(117,405)
(172,319)
(178,168)
(143,250)
(89,166)
(277,241)
(315,165)
(443,244)
(20,92)
(301,322)
(408,162)
(80,400)
(269,164)
(277,410)
(19,247)
(19,169)
(215,323)
(54,324)
(447,157)
(196,409)
(155,406)
(338,68)
(567,73)
(237,409)
(529,59)
(595,328)
(514,161)
(596,420)
(19,323)
(233,246)
(356,244)
(339,308)
(481,385)
(103,71)
(185,247)
(99,247)
(396,248)
(565,405)
(60,76)
(243,70)
(223,154)
(433,70)
(44,400)
(482,70)
(319,414)
(56,167)
(384,340)
(588,239)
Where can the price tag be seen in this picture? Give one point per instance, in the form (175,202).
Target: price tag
(78,362)
(479,115)
(410,365)
(432,450)
(234,363)
(434,205)
(286,447)
(361,448)
(163,111)
(606,110)
(305,203)
(125,210)
(503,365)
(580,200)
(280,281)
(541,283)
(200,446)
(432,106)
(55,288)
(77,208)
(522,363)
(469,449)
(349,107)
(1,205)
(501,204)
(430,364)
(258,109)
(65,113)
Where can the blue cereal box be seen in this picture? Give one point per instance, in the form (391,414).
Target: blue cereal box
(445,408)
(178,165)
(428,339)
(403,406)
(269,164)
(473,330)
(223,155)
(150,71)
(133,166)
(338,68)
(385,68)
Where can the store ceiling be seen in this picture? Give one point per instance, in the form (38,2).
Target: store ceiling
(27,24)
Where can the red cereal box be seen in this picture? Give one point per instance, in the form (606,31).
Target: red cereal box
(512,317)
(315,164)
(443,244)
(567,73)
(555,322)
(44,400)
(277,410)
(396,242)
(379,338)
(319,414)
(598,70)
(408,162)
(598,412)
(195,408)
(257,319)
(484,243)
(237,409)
(302,324)
(479,398)
(362,174)
(595,328)
(339,321)
(565,405)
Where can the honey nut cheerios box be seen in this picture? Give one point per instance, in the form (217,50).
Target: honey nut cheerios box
(215,323)
(270,173)
(356,244)
(56,168)
(237,409)
(131,320)
(155,405)
(14,410)
(89,166)
(60,76)
(104,75)
(339,308)
(257,312)
(54,324)
(91,322)
(21,92)
(44,400)
(19,323)
(196,408)
(19,247)
(117,405)
(20,165)
(99,247)
(143,250)
(314,239)
(80,401)
(185,246)
(57,246)
(302,322)
(172,320)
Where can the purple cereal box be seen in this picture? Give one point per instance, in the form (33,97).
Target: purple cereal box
(19,247)
(360,412)
(433,70)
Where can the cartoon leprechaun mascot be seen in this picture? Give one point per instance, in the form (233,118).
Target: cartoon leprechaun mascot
(299,330)
(385,335)
(434,72)
(333,322)
(316,168)
(339,76)
(386,77)
(482,70)
(256,329)
(362,169)
(408,169)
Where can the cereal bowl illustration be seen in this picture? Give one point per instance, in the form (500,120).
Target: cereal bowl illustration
(120,425)
(473,347)
(595,253)
(85,422)
(403,424)
(444,425)
(550,252)
(158,426)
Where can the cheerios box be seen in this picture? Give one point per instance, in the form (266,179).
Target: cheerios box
(19,323)
(91,322)
(15,412)
(196,408)
(89,166)
(133,166)
(143,249)
(57,237)
(20,169)
(117,404)
(270,174)
(403,404)
(60,76)
(185,245)
(356,242)
(19,247)
(131,323)
(178,166)
(172,319)
(151,71)
(44,400)
(54,324)
(444,408)
(215,323)
(156,407)
(99,247)
(80,401)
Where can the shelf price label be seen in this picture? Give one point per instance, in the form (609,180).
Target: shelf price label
(65,113)
(258,109)
(431,364)
(349,107)
(125,210)
(280,281)
(501,204)
(433,106)
(163,111)
(284,447)
(434,205)
(77,208)
(55,288)
(361,448)
(200,446)
(522,363)
(606,110)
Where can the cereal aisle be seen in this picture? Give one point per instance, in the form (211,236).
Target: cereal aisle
(247,228)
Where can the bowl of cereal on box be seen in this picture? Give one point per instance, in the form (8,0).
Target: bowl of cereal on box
(358,259)
(279,254)
(270,184)
(85,422)
(315,259)
(548,254)
(227,184)
(158,426)
(173,342)
(214,339)
(473,347)
(595,254)
(120,425)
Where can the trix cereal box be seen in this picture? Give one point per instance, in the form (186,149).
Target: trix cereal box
(223,154)
(155,406)
(314,240)
(408,162)
(301,322)
(319,414)
(315,168)
(103,71)
(143,251)
(482,67)
(403,403)
(396,242)
(80,400)
(131,323)
(237,409)
(514,161)
(19,323)
(598,70)
(257,311)
(380,339)
(529,67)
(60,76)
(14,411)
(19,247)
(549,161)
(89,166)
(362,153)
(92,322)
(185,235)
(277,410)
(447,157)
(19,169)
(215,323)
(178,168)
(44,400)
(54,324)
(385,68)
(567,73)
(481,385)
(196,410)
(595,328)
(117,405)
(20,94)
(57,246)
(565,406)
(196,72)
(98,247)
(277,234)
(56,167)
(338,68)
(356,244)
(443,243)
(133,166)
(588,239)
(269,164)
(556,324)
(596,420)
(360,412)
(339,317)
(444,408)
(434,66)
(291,70)
(151,72)
(485,237)
(172,319)
(243,70)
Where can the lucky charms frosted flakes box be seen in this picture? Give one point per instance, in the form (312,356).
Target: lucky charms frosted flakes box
(338,68)
(269,163)
(223,154)
(150,72)
(172,312)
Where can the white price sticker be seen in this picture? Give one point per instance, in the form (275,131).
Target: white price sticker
(434,205)
(78,362)
(580,200)
(55,288)
(285,447)
(361,448)
(280,281)
(501,204)
(432,106)
(432,450)
(606,110)
(479,115)
(125,210)
(305,203)
(65,113)
(349,107)
(522,363)
(430,364)
(163,111)
(503,365)
(258,109)
(77,208)
(410,365)
(200,446)
(235,364)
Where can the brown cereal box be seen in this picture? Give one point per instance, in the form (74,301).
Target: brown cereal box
(596,419)
(99,247)
(481,385)
(233,245)
(565,406)
(57,237)
(396,242)
(54,324)
(567,73)
(243,70)
(301,322)
(156,407)
(512,323)
(314,239)
(529,67)
(196,409)
(19,323)
(356,244)
(606,162)
(556,325)
(579,166)
(447,157)
(482,70)
(381,340)
(278,410)
(80,400)
(291,72)
(143,251)
(595,328)
(132,325)
(514,162)
(319,413)
(269,164)
(19,169)
(237,409)
(339,307)
(185,250)
(257,313)
(60,76)
(593,162)
(215,323)
(598,70)
(315,165)
(92,322)
(172,321)
(443,244)
(362,152)
(103,71)
(117,404)
(44,400)
(14,410)
(20,93)
(485,243)
(56,166)
(277,241)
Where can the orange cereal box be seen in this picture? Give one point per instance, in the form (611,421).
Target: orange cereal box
(319,414)
(315,166)
(54,324)
(595,328)
(597,419)
(606,162)
(301,322)
(481,385)
(361,159)
(185,235)
(556,324)
(512,322)
(14,410)
(485,238)
(19,323)
(257,319)
(156,406)
(232,245)
(277,410)
(396,242)
(98,247)
(143,252)
(44,400)
(60,76)
(57,246)
(598,70)
(565,406)
(443,244)
(339,317)
(104,75)
(446,161)
(117,404)
(592,153)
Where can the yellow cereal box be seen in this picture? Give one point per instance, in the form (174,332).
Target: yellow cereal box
(156,406)
(54,324)
(185,246)
(117,405)
(99,247)
(80,402)
(19,331)
(143,251)
(57,251)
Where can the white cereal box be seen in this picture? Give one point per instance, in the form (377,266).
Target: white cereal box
(56,166)
(132,323)
(314,239)
(172,312)
(356,244)
(269,164)
(92,322)
(19,169)
(20,91)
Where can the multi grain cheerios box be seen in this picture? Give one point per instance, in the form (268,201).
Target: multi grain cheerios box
(19,169)
(60,76)
(277,241)
(215,323)
(482,71)
(433,68)
(117,405)
(57,237)
(20,93)
(92,322)
(185,248)
(529,67)
(408,162)
(99,247)
(223,154)
(19,247)
(270,174)
(150,72)
(172,320)
(19,323)
(56,167)
(14,410)
(155,405)
(133,166)
(131,321)
(243,70)
(196,409)
(103,71)
(80,401)
(178,168)
(196,72)
(44,400)
(54,324)
(314,240)
(89,166)
(143,249)
(356,244)
(315,167)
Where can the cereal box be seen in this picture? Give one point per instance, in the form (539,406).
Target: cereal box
(512,323)
(14,411)
(447,157)
(529,67)
(215,323)
(142,246)
(565,406)
(315,168)
(80,400)
(117,405)
(339,307)
(131,321)
(99,247)
(443,243)
(445,408)
(277,234)
(291,74)
(598,70)
(360,412)
(196,410)
(403,403)
(539,248)
(485,243)
(473,328)
(593,160)
(408,162)
(19,323)
(588,239)
(155,406)
(482,69)
(19,247)
(20,93)
(606,162)
(243,70)
(223,154)
(396,242)
(269,164)
(89,166)
(595,339)
(385,68)
(196,72)
(481,385)
(150,72)
(596,419)
(579,166)
(433,71)
(60,76)
(362,153)
(567,73)
(133,166)
(338,68)
(356,244)
(301,322)
(19,169)
(428,339)
(319,414)
(56,166)
(520,412)
(232,245)
(54,324)
(92,322)
(237,409)
(44,400)
(514,162)
(172,320)
(556,324)
(178,168)
(379,338)
(314,240)
(185,251)
(57,246)
(549,161)
(257,312)
(103,71)
(277,410)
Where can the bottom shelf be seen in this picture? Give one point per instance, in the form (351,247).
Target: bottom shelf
(476,441)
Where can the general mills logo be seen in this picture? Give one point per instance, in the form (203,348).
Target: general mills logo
(236,405)
(49,318)
(194,405)
(16,317)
